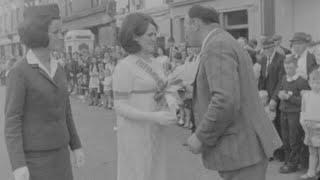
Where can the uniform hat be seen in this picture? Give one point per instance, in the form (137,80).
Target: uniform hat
(33,31)
(268,43)
(42,11)
(301,37)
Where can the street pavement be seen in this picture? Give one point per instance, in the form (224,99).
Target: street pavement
(95,127)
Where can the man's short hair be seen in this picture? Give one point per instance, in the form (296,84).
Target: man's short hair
(208,15)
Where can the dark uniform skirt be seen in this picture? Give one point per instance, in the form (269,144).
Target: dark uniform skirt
(49,165)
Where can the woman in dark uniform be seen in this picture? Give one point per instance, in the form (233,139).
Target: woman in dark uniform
(39,128)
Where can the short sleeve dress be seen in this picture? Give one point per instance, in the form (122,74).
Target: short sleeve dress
(141,144)
(311,113)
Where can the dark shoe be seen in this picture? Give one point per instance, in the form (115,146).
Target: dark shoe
(279,155)
(285,169)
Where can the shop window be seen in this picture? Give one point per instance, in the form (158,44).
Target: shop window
(236,23)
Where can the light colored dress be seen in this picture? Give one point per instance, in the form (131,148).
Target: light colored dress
(107,83)
(94,78)
(311,113)
(141,144)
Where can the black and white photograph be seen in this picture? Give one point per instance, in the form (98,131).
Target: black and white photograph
(159,90)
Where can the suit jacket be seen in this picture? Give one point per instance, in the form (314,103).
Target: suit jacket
(231,121)
(311,63)
(271,80)
(37,112)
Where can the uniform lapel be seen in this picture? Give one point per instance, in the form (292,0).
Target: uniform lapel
(43,74)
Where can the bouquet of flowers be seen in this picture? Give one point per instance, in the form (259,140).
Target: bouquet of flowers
(167,94)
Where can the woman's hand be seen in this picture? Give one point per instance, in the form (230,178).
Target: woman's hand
(21,173)
(165,118)
(79,157)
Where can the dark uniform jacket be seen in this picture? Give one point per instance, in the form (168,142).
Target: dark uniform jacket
(37,112)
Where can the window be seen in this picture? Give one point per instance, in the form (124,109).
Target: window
(17,15)
(182,34)
(70,6)
(12,20)
(95,3)
(236,23)
(1,25)
(66,5)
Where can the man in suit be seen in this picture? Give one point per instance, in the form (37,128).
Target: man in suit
(272,71)
(233,132)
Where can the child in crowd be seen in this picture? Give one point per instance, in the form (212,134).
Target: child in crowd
(289,94)
(93,82)
(107,83)
(83,88)
(310,121)
(185,110)
(101,79)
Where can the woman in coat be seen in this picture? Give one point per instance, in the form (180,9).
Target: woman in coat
(39,128)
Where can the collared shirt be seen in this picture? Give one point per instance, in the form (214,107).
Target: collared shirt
(269,61)
(207,38)
(197,59)
(293,78)
(302,64)
(33,59)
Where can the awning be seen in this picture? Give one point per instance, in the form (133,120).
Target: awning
(87,22)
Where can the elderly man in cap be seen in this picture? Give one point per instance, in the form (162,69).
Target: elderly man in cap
(233,133)
(306,60)
(39,128)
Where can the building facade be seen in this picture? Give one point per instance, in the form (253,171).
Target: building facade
(11,14)
(95,15)
(247,18)
(297,16)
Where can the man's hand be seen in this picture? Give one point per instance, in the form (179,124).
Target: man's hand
(282,95)
(79,157)
(194,144)
(21,173)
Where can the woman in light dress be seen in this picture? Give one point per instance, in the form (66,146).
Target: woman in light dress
(140,122)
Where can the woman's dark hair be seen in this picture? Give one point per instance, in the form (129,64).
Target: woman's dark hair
(135,24)
(33,32)
(208,15)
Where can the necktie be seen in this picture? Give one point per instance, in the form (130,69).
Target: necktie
(268,64)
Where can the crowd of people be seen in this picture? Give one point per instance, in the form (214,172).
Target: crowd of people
(225,101)
(288,83)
